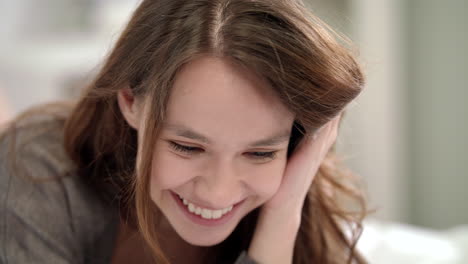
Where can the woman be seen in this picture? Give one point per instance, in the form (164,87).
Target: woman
(205,138)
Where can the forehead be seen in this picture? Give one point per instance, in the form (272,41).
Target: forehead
(224,101)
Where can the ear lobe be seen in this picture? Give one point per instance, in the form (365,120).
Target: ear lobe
(129,107)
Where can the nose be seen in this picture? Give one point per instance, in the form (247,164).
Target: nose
(220,186)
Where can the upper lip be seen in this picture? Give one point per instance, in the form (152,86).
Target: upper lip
(204,205)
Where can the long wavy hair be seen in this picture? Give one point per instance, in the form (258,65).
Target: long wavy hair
(309,67)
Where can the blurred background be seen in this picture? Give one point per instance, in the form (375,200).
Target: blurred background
(406,135)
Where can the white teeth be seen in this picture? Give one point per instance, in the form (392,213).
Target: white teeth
(191,207)
(206,213)
(225,210)
(217,214)
(198,211)
(203,212)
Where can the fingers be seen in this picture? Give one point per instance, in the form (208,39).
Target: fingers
(331,125)
(323,138)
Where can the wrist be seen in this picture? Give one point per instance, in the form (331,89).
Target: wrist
(287,213)
(274,238)
(283,220)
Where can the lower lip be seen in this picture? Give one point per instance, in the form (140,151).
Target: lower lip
(202,221)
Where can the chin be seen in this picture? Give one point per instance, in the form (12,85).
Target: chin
(204,240)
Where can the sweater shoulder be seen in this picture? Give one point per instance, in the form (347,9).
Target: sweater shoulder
(49,211)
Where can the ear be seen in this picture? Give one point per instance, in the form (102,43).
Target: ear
(129,107)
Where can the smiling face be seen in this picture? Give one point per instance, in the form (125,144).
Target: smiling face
(221,152)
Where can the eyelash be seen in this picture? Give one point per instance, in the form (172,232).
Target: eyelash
(184,149)
(195,150)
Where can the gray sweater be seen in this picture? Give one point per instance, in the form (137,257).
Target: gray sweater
(44,216)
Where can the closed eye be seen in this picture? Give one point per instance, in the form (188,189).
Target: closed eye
(257,155)
(184,149)
(263,155)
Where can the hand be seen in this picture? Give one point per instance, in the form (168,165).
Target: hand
(302,167)
(279,219)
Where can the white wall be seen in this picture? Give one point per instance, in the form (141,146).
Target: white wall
(377,121)
(438,79)
(43,51)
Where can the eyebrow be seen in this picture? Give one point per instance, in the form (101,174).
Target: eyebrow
(186,132)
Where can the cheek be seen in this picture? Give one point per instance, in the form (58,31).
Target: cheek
(265,181)
(169,171)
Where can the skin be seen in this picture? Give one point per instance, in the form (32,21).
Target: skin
(231,108)
(280,217)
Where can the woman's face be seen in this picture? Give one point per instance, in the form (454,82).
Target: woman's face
(222,150)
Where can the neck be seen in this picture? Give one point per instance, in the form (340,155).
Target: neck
(172,245)
(131,247)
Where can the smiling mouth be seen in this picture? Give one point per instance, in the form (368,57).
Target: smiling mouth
(204,213)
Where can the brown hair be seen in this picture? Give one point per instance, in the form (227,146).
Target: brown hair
(313,74)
